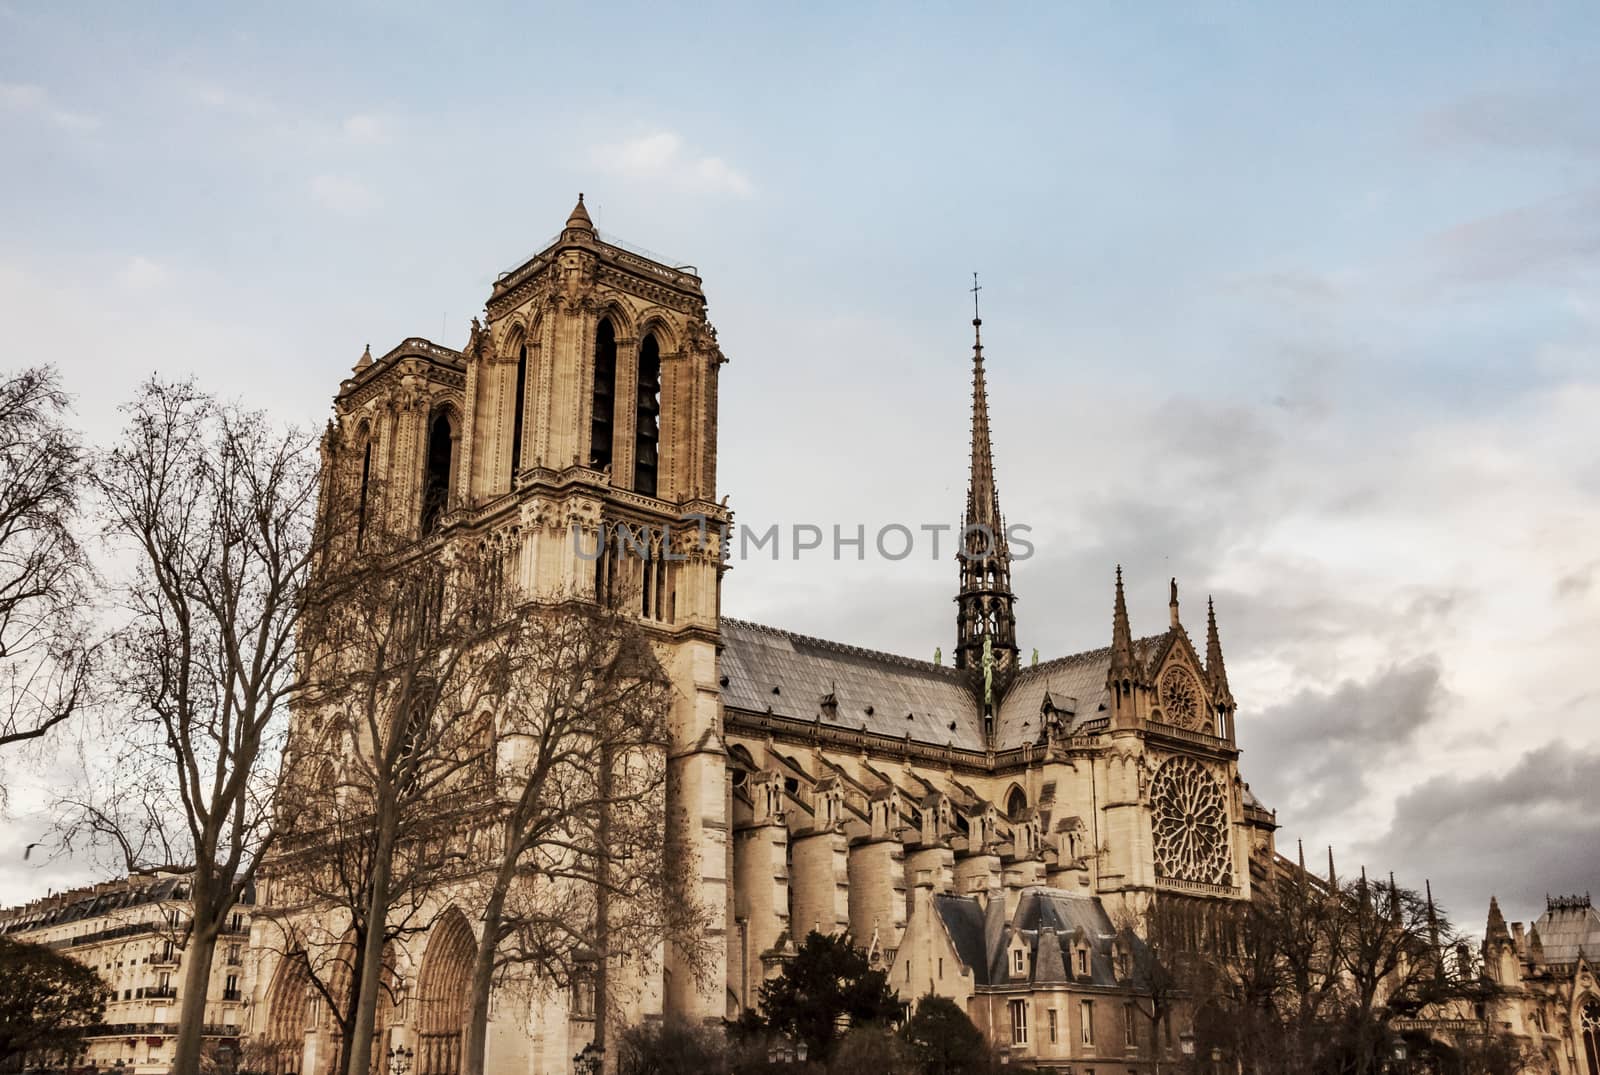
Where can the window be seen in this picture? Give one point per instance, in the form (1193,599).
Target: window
(1052,1014)
(1019,1022)
(941,966)
(1083,961)
(361,508)
(1086,1014)
(647,427)
(1017,961)
(517,408)
(1127,1025)
(436,474)
(602,402)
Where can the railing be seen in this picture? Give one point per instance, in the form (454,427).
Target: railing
(157,992)
(136,1030)
(230,994)
(1206,888)
(1172,731)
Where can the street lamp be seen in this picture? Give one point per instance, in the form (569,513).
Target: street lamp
(400,1060)
(1186,1042)
(589,1059)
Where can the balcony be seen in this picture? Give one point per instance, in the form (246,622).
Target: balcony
(158,992)
(230,994)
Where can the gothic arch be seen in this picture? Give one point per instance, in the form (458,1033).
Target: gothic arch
(440,454)
(442,994)
(613,308)
(288,1013)
(1588,1023)
(654,321)
(1016,801)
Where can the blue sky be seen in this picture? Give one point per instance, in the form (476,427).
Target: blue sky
(1295,302)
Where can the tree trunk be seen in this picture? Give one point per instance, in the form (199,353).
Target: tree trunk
(196,987)
(359,1046)
(482,980)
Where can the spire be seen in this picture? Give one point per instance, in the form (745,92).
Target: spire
(1433,920)
(1214,666)
(1124,665)
(365,360)
(1333,878)
(1394,898)
(985,604)
(1496,932)
(579,220)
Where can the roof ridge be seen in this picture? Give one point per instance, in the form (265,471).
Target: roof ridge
(949,671)
(911,662)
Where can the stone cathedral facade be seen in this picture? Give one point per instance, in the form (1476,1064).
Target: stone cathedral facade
(984,829)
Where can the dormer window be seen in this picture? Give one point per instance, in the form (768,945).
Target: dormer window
(1018,962)
(1083,962)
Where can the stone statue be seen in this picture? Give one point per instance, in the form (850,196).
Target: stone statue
(988,671)
(1036,655)
(938,656)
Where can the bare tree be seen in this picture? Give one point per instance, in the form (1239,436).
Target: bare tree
(44,647)
(211,509)
(577,859)
(389,760)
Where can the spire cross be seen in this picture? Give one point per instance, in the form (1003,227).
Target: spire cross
(975,288)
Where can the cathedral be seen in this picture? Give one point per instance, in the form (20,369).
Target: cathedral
(984,829)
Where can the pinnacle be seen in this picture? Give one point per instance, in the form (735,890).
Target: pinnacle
(580,217)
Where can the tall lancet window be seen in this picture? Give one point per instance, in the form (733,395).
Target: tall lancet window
(436,473)
(605,389)
(361,504)
(516,419)
(647,428)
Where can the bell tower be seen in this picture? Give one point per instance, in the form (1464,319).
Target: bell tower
(590,429)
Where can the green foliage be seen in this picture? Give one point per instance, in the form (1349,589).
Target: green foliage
(828,982)
(875,1050)
(47,1002)
(943,1040)
(675,1047)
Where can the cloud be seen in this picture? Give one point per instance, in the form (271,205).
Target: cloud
(1316,751)
(140,273)
(1556,121)
(368,130)
(30,100)
(1520,831)
(662,157)
(343,194)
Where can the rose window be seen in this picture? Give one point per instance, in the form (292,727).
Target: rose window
(1180,698)
(1190,823)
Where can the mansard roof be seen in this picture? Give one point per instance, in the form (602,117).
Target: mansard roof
(1048,922)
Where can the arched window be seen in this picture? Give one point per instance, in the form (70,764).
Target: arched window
(605,386)
(1590,1022)
(1016,804)
(436,475)
(647,427)
(361,504)
(516,419)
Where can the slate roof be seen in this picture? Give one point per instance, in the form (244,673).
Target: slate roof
(96,900)
(1047,920)
(1080,677)
(904,695)
(1565,928)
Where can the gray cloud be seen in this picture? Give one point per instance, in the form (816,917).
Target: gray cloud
(1528,829)
(1311,756)
(1519,121)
